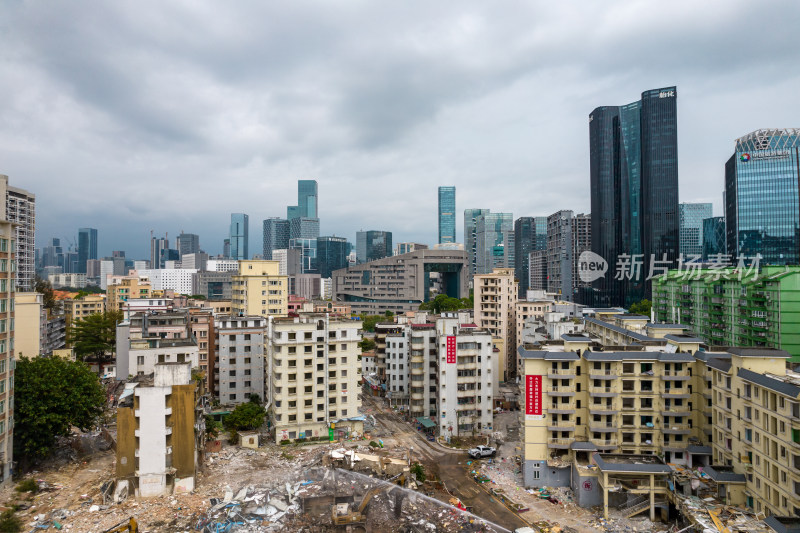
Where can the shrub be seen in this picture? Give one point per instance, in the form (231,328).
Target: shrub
(285,441)
(28,485)
(419,471)
(374,444)
(10,523)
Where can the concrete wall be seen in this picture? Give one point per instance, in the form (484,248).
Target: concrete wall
(548,476)
(586,488)
(152,441)
(123,350)
(183,435)
(126,443)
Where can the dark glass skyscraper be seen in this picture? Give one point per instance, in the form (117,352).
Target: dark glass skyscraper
(239,236)
(372,245)
(447,215)
(471,217)
(761,197)
(530,235)
(331,255)
(713,237)
(188,243)
(87,247)
(634,190)
(691,227)
(276,235)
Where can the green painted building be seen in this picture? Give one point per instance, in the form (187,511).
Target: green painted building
(729,309)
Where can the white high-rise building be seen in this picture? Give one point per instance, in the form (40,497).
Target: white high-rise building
(20,208)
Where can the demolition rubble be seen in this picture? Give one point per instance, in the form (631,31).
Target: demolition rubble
(273,489)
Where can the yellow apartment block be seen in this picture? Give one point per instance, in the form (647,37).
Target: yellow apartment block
(735,413)
(258,289)
(128,288)
(495,299)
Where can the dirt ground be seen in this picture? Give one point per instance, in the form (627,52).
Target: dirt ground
(72,501)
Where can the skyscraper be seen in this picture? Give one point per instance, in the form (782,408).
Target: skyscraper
(762,213)
(188,243)
(530,235)
(87,247)
(307,198)
(158,251)
(372,245)
(470,237)
(20,208)
(276,235)
(447,214)
(239,236)
(494,236)
(634,190)
(691,227)
(713,237)
(560,254)
(331,255)
(306,201)
(304,228)
(53,254)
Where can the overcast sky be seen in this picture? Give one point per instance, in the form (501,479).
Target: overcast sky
(138,116)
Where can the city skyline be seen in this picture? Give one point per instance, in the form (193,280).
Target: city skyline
(459,116)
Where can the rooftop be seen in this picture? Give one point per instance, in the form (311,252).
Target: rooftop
(724,474)
(630,463)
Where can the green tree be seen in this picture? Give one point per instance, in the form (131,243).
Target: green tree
(369,321)
(366,344)
(246,416)
(444,303)
(641,308)
(45,288)
(51,396)
(95,337)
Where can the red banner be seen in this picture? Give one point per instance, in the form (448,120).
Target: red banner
(533,395)
(451,349)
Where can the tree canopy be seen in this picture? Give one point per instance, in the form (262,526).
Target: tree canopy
(443,303)
(366,344)
(51,396)
(95,336)
(246,416)
(641,308)
(369,321)
(45,288)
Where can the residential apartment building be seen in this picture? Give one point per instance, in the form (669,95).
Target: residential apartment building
(730,307)
(73,281)
(20,209)
(39,331)
(77,308)
(313,377)
(442,370)
(148,338)
(124,288)
(161,433)
(755,429)
(401,283)
(239,369)
(8,236)
(495,297)
(178,280)
(203,330)
(258,289)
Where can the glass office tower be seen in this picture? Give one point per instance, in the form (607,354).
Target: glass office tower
(239,236)
(634,190)
(713,237)
(761,197)
(276,235)
(471,236)
(691,227)
(331,255)
(447,215)
(87,247)
(530,235)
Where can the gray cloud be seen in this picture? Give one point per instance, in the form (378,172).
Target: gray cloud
(137,116)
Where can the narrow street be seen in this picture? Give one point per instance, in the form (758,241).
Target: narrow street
(450,464)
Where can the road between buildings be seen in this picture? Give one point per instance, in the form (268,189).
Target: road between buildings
(450,464)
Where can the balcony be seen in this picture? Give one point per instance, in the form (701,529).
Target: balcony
(561,408)
(677,429)
(561,391)
(604,443)
(561,425)
(559,443)
(562,373)
(603,428)
(602,410)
